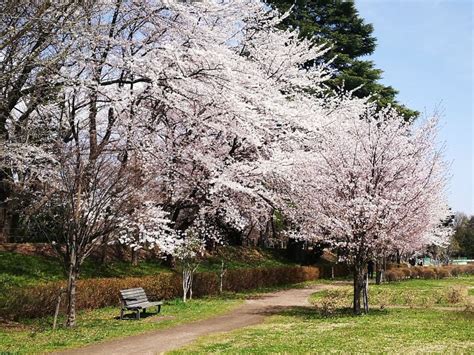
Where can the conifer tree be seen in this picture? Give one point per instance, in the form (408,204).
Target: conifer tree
(339,24)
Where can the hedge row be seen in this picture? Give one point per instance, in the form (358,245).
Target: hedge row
(96,293)
(426,272)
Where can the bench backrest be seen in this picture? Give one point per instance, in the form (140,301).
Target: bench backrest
(133,296)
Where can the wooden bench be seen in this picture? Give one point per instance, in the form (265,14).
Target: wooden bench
(135,299)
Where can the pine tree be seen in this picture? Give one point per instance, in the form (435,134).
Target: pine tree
(339,24)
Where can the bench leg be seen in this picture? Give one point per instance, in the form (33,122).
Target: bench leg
(158,308)
(138,314)
(144,310)
(121,314)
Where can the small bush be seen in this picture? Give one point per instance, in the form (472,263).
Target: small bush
(456,294)
(456,271)
(395,275)
(428,273)
(428,301)
(442,273)
(417,272)
(410,299)
(383,298)
(392,275)
(469,269)
(469,308)
(438,296)
(406,273)
(333,300)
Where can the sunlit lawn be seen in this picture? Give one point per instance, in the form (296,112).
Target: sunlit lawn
(305,330)
(449,292)
(390,330)
(93,326)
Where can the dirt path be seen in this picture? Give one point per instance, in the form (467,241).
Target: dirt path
(252,312)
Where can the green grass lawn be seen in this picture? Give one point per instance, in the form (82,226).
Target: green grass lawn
(391,330)
(33,336)
(305,330)
(449,292)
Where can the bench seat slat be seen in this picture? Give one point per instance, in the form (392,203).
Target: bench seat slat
(132,290)
(134,296)
(133,293)
(130,302)
(143,305)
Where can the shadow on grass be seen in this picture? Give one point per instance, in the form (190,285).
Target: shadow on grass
(133,315)
(313,313)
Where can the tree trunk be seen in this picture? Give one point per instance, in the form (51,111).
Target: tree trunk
(366,293)
(379,277)
(134,257)
(191,285)
(379,272)
(221,277)
(186,283)
(359,285)
(71,292)
(58,305)
(170,261)
(103,256)
(4,232)
(5,216)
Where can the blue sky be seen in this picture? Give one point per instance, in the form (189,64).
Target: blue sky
(425,48)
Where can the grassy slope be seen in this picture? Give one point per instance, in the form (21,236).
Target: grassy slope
(24,270)
(392,330)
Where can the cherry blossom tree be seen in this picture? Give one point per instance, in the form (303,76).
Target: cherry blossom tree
(180,90)
(189,250)
(374,184)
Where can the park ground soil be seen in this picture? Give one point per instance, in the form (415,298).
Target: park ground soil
(252,312)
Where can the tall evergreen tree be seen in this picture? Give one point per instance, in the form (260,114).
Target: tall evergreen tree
(339,24)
